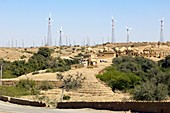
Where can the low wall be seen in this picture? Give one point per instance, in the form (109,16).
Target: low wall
(26,102)
(147,107)
(21,101)
(4,98)
(55,83)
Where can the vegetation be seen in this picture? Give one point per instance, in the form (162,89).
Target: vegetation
(23,56)
(66,97)
(119,80)
(72,82)
(25,87)
(39,61)
(46,85)
(146,79)
(28,86)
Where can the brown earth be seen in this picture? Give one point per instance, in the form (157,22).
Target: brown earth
(92,89)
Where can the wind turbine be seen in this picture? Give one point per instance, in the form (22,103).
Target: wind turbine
(127,33)
(49,39)
(161,30)
(113,27)
(61,33)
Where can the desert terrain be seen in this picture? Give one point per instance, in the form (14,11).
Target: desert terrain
(92,88)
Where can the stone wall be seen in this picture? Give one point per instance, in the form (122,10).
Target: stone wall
(22,101)
(146,107)
(55,83)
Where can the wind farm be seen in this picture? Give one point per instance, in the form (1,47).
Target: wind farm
(111,55)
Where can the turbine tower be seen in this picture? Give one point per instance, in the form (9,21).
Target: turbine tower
(60,32)
(161,30)
(113,25)
(127,33)
(49,39)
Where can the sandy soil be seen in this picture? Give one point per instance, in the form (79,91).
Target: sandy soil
(92,89)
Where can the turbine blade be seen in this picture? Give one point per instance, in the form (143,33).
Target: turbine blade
(163,18)
(50,15)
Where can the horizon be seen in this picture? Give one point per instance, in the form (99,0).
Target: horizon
(26,20)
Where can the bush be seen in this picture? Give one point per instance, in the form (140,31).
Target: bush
(23,56)
(28,85)
(23,87)
(72,82)
(45,85)
(66,97)
(150,92)
(61,69)
(48,71)
(44,51)
(119,80)
(165,63)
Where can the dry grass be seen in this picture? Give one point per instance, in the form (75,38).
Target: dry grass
(92,90)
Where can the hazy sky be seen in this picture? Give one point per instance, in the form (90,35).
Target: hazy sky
(26,20)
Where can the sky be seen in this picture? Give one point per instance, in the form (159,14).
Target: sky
(25,20)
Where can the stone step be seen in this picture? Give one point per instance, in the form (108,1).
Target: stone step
(96,87)
(90,91)
(97,93)
(93,89)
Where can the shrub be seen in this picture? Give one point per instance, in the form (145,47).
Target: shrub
(45,85)
(48,71)
(44,51)
(28,85)
(150,92)
(23,56)
(149,79)
(66,97)
(72,82)
(119,80)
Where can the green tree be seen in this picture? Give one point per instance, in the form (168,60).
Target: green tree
(44,51)
(150,92)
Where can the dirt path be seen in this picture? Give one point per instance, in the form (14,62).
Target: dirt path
(92,89)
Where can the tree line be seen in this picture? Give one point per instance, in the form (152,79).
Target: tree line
(39,61)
